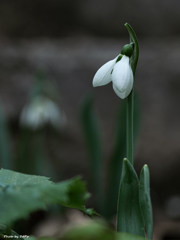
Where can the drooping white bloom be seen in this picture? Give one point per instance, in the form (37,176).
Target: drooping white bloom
(41,111)
(120,73)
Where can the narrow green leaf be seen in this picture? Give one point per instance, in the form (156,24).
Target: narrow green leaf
(20,194)
(94,148)
(5,156)
(115,164)
(25,151)
(91,129)
(145,200)
(129,218)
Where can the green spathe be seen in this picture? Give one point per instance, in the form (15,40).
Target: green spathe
(129,218)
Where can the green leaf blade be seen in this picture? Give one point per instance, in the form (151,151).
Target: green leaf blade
(8,177)
(145,200)
(116,161)
(91,130)
(5,149)
(129,218)
(21,194)
(94,147)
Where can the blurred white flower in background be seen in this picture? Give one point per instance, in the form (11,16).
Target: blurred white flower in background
(41,111)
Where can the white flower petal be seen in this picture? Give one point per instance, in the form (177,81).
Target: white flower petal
(103,75)
(124,94)
(122,75)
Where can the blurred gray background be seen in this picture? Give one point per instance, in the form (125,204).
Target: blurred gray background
(71,39)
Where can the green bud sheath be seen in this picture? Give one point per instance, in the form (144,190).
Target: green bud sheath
(119,58)
(127,50)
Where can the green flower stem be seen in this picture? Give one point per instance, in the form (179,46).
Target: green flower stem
(130,98)
(122,221)
(129,126)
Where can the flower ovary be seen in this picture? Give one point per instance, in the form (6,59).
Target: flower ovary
(127,50)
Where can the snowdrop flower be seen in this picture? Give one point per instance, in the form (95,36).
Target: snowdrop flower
(118,71)
(41,111)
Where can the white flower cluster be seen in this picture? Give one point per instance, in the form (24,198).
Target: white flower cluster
(41,111)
